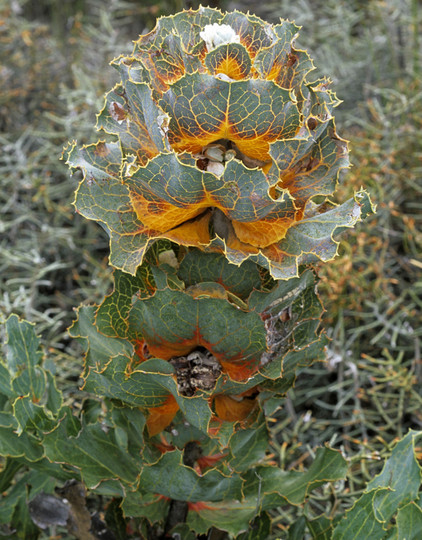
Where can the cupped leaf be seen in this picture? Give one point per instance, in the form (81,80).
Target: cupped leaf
(100,348)
(185,24)
(310,167)
(111,316)
(231,59)
(174,323)
(252,114)
(223,145)
(272,60)
(198,266)
(131,114)
(307,240)
(166,60)
(151,385)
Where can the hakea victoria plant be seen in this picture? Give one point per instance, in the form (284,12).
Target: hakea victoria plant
(222,144)
(214,190)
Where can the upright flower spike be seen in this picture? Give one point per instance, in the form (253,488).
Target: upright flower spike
(222,143)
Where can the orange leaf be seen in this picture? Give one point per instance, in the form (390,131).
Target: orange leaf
(141,350)
(193,233)
(208,461)
(231,410)
(264,232)
(161,215)
(198,506)
(160,417)
(238,370)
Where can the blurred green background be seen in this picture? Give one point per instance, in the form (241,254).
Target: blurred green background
(54,71)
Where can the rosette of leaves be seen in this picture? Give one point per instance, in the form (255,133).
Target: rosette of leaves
(221,142)
(225,481)
(200,336)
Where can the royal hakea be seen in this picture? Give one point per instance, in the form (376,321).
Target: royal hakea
(221,144)
(214,189)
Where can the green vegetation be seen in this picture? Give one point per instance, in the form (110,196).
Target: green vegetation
(366,395)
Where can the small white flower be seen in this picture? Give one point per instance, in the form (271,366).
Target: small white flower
(163,121)
(215,152)
(224,77)
(215,168)
(218,34)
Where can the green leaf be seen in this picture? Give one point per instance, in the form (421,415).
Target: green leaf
(50,470)
(115,519)
(23,359)
(22,346)
(129,425)
(242,111)
(277,486)
(169,477)
(31,381)
(10,467)
(111,316)
(100,348)
(54,395)
(6,382)
(360,521)
(14,509)
(198,266)
(409,520)
(232,516)
(103,197)
(297,529)
(153,507)
(398,484)
(31,416)
(401,474)
(320,528)
(248,447)
(13,445)
(174,323)
(259,529)
(94,452)
(7,420)
(15,495)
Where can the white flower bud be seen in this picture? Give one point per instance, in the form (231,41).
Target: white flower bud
(218,34)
